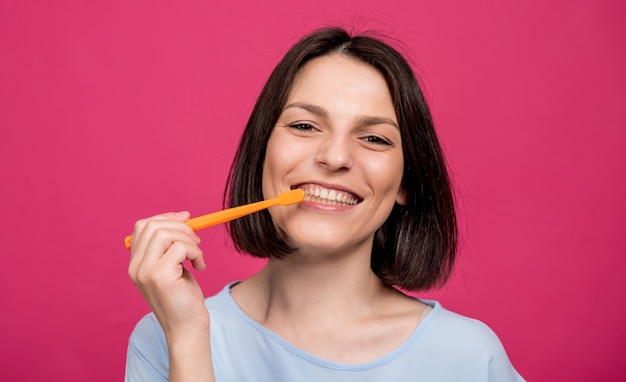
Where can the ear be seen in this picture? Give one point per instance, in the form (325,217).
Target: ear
(402,196)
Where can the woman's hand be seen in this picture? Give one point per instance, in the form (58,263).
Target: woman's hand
(159,247)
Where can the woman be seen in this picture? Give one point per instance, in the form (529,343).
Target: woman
(342,118)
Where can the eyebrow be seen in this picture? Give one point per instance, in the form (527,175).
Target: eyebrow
(317,110)
(363,120)
(369,121)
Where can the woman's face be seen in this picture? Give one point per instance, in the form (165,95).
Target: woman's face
(338,139)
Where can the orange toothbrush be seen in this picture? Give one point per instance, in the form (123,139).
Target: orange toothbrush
(200,222)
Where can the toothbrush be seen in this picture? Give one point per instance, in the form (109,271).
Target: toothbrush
(201,222)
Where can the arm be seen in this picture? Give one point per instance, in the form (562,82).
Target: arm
(190,359)
(160,245)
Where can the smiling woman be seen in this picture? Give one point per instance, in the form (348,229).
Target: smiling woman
(341,117)
(338,134)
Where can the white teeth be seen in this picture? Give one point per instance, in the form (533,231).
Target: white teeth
(333,197)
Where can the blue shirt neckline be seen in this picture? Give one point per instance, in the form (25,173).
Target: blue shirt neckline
(436,308)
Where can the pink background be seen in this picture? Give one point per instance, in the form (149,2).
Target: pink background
(115,110)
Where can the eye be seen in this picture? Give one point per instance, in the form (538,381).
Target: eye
(303,126)
(376,140)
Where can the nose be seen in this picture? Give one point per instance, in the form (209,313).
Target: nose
(335,153)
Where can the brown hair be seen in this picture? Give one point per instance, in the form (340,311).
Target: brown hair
(416,246)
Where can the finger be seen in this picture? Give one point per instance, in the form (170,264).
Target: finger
(165,272)
(181,251)
(196,257)
(141,224)
(158,242)
(155,239)
(145,229)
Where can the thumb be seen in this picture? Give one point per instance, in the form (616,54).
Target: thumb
(182,215)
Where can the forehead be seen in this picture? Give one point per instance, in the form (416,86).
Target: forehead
(338,66)
(338,81)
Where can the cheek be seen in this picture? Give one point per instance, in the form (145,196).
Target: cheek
(280,157)
(285,150)
(386,172)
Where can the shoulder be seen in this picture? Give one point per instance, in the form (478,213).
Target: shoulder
(147,357)
(221,303)
(147,334)
(448,325)
(468,345)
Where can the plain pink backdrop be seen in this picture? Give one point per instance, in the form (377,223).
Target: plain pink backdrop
(115,110)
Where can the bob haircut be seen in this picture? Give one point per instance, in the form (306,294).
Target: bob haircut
(416,246)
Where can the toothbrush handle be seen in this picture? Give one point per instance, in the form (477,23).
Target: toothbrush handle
(223,216)
(200,222)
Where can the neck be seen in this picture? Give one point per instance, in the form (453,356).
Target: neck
(306,287)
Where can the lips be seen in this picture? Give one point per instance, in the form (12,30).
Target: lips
(320,194)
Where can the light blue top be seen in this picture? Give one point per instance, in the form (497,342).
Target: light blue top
(444,347)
